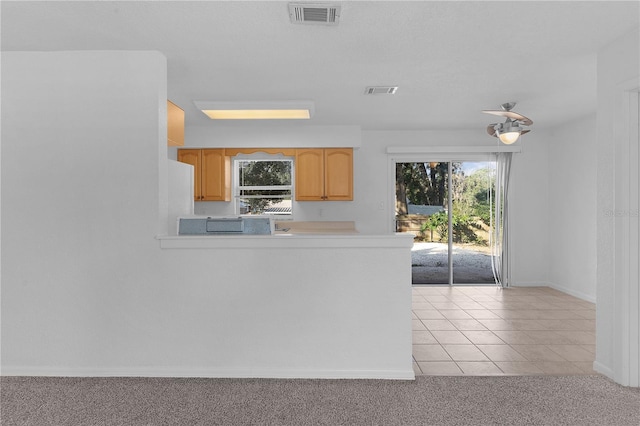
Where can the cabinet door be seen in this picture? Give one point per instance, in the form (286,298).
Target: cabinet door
(338,174)
(216,175)
(193,157)
(309,171)
(175,125)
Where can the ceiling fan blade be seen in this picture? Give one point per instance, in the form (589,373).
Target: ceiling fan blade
(494,112)
(512,115)
(524,131)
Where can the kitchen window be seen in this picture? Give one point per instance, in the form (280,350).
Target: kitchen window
(263,185)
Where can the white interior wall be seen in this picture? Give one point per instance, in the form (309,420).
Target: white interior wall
(528,212)
(572,208)
(86,288)
(617,326)
(80,199)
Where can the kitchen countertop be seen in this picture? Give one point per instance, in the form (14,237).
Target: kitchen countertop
(287,240)
(317,227)
(292,234)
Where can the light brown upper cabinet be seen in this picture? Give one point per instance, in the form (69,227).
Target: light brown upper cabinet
(212,174)
(324,174)
(175,125)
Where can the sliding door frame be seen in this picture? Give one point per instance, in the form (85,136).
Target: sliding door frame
(424,154)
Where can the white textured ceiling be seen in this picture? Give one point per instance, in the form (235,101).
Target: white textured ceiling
(450,59)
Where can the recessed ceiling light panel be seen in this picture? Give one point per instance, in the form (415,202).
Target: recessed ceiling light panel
(257,110)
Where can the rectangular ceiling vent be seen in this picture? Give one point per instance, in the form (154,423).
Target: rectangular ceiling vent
(314,13)
(381,90)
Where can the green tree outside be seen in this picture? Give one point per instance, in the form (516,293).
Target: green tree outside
(426,184)
(258,173)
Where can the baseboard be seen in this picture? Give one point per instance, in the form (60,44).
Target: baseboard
(207,373)
(569,291)
(575,293)
(603,369)
(531,284)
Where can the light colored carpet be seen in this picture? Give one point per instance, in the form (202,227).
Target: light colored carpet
(429,400)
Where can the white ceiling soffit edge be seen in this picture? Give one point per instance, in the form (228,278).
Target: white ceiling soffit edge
(452,149)
(314,13)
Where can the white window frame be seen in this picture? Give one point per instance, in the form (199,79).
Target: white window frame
(261,156)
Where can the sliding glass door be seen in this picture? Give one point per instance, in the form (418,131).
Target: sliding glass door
(422,190)
(472,196)
(447,206)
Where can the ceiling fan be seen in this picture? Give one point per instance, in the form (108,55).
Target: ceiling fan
(509,131)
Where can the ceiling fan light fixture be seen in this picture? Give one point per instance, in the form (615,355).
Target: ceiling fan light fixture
(508,132)
(509,137)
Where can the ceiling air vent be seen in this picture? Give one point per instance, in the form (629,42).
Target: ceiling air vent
(381,90)
(314,13)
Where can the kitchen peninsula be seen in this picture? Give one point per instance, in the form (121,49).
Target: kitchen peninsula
(312,299)
(332,305)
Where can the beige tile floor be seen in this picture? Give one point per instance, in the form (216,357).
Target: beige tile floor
(492,331)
